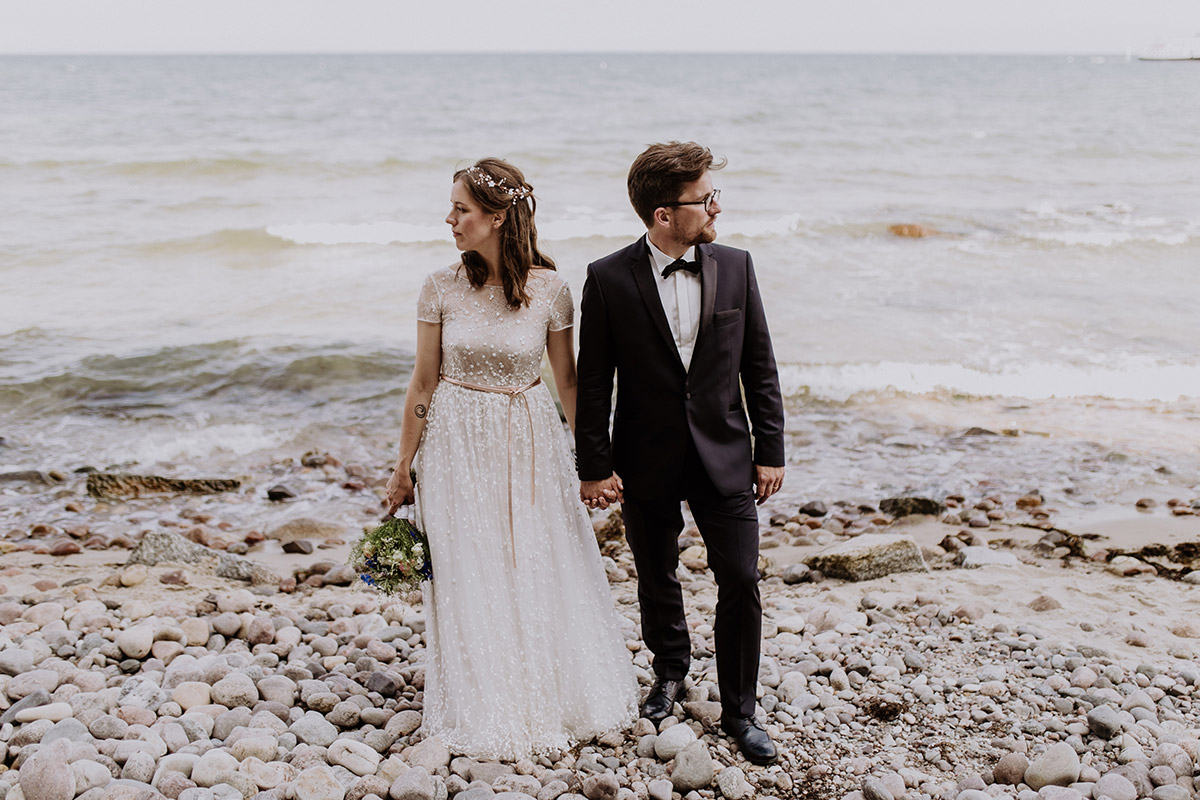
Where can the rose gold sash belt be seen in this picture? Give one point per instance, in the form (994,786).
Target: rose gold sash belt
(514,393)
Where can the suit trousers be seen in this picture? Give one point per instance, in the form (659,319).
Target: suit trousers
(729,527)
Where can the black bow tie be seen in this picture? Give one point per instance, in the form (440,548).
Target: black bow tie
(679,264)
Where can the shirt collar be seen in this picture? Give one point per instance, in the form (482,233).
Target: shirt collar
(659,259)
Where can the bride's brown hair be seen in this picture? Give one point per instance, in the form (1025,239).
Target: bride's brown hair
(499,187)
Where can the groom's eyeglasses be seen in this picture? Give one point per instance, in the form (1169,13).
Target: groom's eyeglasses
(708,201)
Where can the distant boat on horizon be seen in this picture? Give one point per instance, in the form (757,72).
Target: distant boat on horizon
(1177,50)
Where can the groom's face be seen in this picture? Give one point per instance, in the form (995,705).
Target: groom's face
(691,224)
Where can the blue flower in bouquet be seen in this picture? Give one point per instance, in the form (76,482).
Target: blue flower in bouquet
(392,557)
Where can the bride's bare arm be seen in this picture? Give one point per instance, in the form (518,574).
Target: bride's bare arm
(416,406)
(560,347)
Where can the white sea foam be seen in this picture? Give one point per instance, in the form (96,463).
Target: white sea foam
(581,226)
(1139,379)
(238,439)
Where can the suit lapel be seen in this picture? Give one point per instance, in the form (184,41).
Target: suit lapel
(708,292)
(639,265)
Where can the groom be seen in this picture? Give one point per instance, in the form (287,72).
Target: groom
(680,322)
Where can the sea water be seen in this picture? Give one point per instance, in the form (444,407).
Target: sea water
(208,260)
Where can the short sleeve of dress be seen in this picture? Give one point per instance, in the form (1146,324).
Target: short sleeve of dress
(562,311)
(429,302)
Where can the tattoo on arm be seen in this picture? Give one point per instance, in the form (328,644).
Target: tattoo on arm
(420,411)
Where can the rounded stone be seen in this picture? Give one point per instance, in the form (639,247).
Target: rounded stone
(1058,766)
(1010,770)
(43,776)
(694,768)
(1114,786)
(234,690)
(673,740)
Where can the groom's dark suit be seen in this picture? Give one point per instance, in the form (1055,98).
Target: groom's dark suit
(682,434)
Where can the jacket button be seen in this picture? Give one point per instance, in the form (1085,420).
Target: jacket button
(689,395)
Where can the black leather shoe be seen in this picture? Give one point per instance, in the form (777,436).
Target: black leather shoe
(663,696)
(754,742)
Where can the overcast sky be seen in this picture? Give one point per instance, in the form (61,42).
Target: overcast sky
(805,26)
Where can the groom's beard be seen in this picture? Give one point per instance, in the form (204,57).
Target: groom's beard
(691,238)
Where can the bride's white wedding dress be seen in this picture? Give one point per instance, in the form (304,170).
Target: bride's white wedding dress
(525,652)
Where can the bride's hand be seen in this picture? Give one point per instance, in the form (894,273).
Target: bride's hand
(399,490)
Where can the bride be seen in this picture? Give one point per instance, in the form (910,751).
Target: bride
(525,654)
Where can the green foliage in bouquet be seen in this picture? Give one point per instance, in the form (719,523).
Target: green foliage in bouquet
(392,557)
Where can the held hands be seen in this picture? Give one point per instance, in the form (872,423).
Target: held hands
(602,494)
(399,490)
(767,481)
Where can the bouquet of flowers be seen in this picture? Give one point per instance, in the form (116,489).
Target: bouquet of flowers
(392,557)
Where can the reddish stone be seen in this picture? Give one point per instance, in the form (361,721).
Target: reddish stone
(122,541)
(225,526)
(254,537)
(197,534)
(65,547)
(135,716)
(42,530)
(315,581)
(77,531)
(96,543)
(73,507)
(353,486)
(10,571)
(45,585)
(356,470)
(287,585)
(174,578)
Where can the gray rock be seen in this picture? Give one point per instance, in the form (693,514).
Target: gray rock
(243,569)
(1104,722)
(814,508)
(1171,792)
(415,784)
(234,690)
(164,546)
(556,788)
(734,786)
(673,740)
(870,556)
(70,729)
(1058,766)
(906,506)
(1114,786)
(39,697)
(45,777)
(141,693)
(603,786)
(796,573)
(314,729)
(15,660)
(431,754)
(318,783)
(660,789)
(694,768)
(1010,770)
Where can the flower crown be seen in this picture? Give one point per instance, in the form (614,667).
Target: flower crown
(482,178)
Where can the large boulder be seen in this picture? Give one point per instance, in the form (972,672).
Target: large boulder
(869,556)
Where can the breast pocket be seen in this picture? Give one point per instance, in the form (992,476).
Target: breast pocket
(727,317)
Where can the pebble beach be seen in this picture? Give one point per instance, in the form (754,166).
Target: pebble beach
(157,643)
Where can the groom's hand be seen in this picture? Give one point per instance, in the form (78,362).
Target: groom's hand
(602,494)
(767,481)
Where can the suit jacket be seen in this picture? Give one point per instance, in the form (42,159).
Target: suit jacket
(660,406)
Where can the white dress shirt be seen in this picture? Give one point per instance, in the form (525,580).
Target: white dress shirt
(680,295)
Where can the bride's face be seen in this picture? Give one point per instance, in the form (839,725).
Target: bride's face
(470,224)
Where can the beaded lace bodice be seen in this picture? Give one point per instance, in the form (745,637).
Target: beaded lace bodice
(486,342)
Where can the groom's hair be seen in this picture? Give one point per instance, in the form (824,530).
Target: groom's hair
(658,175)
